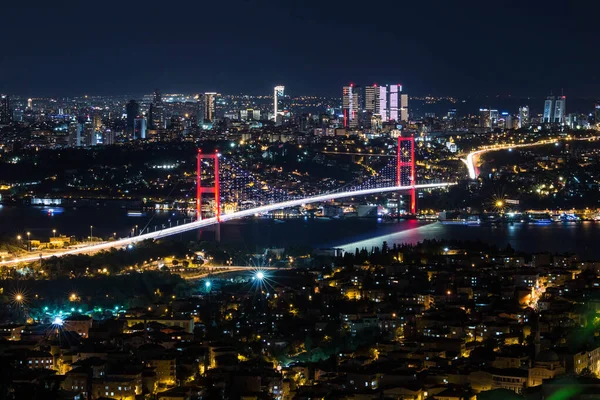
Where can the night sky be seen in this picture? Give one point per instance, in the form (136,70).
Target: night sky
(462,48)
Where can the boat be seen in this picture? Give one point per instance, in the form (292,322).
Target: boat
(135,213)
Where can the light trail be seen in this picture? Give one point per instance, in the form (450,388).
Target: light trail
(123,243)
(228,269)
(473,157)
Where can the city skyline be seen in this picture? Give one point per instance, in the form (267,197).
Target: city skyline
(434,48)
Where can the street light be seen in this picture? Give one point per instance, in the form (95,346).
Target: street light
(91,234)
(53,232)
(28,241)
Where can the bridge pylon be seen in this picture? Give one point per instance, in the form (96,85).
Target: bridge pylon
(405,173)
(215,189)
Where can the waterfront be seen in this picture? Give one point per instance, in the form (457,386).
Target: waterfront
(256,234)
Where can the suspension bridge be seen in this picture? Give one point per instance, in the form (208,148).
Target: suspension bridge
(248,196)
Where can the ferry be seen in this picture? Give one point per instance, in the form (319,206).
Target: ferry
(135,213)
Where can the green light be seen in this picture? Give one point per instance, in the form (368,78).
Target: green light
(79,310)
(45,308)
(72,309)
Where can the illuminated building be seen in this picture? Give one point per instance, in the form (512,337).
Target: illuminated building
(560,106)
(350,103)
(209,106)
(372,99)
(554,110)
(139,128)
(390,103)
(494,116)
(75,131)
(156,113)
(485,120)
(277,93)
(5,111)
(523,116)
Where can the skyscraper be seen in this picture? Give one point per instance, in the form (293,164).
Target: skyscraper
(156,115)
(75,133)
(404,108)
(394,101)
(350,106)
(278,92)
(133,111)
(139,128)
(494,116)
(597,113)
(485,120)
(383,103)
(391,104)
(560,107)
(555,110)
(372,99)
(548,110)
(209,106)
(523,116)
(5,111)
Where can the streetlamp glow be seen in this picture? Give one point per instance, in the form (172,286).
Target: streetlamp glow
(260,275)
(207,284)
(58,321)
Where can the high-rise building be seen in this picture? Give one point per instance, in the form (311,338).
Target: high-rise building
(139,128)
(156,115)
(250,115)
(494,117)
(560,108)
(372,99)
(278,93)
(555,110)
(523,116)
(597,113)
(404,108)
(549,110)
(108,137)
(383,103)
(30,104)
(209,106)
(5,110)
(394,102)
(390,103)
(350,106)
(485,120)
(75,133)
(133,111)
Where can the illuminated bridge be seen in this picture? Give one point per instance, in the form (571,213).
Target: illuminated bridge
(232,184)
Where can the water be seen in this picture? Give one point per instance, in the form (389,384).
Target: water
(256,234)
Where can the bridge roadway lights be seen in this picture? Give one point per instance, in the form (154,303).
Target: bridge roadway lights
(197,224)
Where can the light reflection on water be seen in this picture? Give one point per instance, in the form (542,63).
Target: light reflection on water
(580,238)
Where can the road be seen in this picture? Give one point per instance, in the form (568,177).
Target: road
(175,230)
(472,159)
(212,271)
